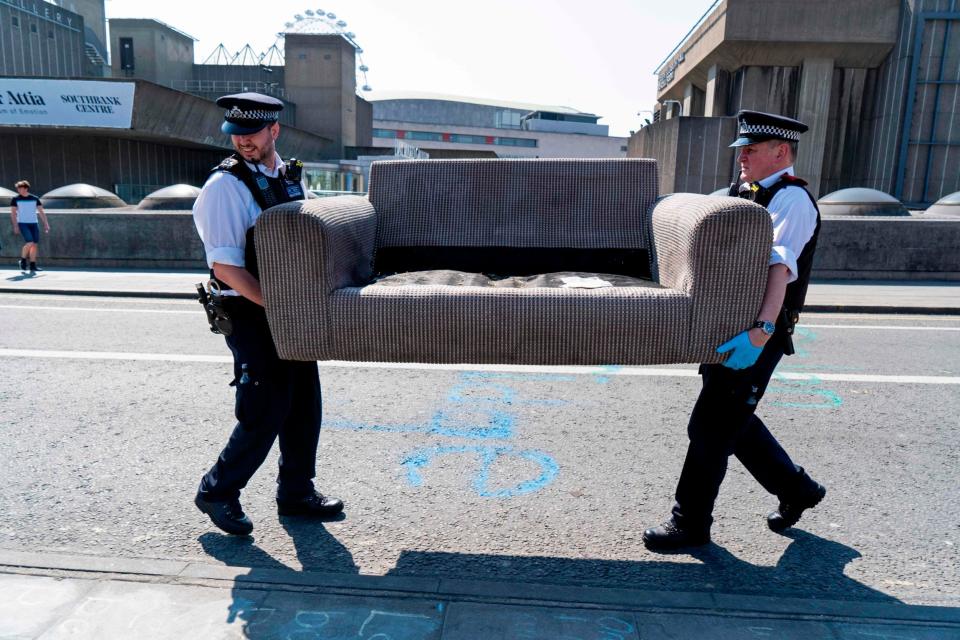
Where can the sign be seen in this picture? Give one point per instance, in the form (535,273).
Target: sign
(47,11)
(66,103)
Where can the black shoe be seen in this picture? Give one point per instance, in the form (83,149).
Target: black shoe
(788,513)
(23,264)
(33,268)
(315,504)
(229,516)
(669,536)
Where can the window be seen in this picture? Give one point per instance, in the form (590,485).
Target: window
(384,133)
(50,33)
(424,135)
(623,147)
(16,21)
(516,142)
(33,28)
(467,139)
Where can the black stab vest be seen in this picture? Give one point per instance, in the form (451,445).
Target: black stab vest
(267,192)
(797,290)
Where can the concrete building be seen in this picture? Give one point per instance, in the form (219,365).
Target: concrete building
(878,81)
(441,123)
(43,39)
(155,123)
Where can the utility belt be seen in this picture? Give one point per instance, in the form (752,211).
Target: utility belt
(787,321)
(214,303)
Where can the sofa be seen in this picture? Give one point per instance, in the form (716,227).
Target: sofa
(512,261)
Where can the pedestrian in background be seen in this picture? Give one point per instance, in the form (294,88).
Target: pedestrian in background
(723,421)
(26,212)
(274,398)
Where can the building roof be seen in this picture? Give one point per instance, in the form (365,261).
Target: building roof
(154,20)
(378,96)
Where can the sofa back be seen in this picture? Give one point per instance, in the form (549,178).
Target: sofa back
(546,203)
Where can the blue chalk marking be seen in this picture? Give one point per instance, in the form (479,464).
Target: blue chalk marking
(506,394)
(519,377)
(488,456)
(833,401)
(608,369)
(498,425)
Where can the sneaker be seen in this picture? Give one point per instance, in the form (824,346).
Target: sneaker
(33,268)
(23,264)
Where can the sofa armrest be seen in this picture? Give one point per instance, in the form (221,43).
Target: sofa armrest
(306,250)
(716,249)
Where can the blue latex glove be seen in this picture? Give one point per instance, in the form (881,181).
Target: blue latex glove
(742,352)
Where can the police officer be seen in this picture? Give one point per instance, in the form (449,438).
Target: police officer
(723,421)
(274,397)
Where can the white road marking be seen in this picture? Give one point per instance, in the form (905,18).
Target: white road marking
(649,372)
(195,311)
(101,309)
(877,327)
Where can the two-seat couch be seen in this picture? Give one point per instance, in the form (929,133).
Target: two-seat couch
(470,261)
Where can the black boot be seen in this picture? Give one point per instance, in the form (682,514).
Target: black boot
(23,264)
(33,268)
(788,513)
(669,536)
(315,504)
(229,515)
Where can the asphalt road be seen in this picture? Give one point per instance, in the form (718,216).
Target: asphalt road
(112,409)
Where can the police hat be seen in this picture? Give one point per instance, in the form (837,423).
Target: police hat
(248,112)
(756,126)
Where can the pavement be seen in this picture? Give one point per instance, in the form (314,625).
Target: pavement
(66,595)
(832,296)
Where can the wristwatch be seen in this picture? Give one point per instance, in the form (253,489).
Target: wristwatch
(765,326)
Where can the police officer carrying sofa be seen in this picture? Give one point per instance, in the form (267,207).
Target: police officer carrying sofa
(274,398)
(723,421)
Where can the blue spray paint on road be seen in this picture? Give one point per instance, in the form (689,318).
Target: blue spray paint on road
(479,407)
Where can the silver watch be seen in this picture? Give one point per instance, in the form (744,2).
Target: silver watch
(765,325)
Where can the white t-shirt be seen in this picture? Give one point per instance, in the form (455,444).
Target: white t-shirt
(26,208)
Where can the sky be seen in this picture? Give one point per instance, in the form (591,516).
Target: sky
(596,56)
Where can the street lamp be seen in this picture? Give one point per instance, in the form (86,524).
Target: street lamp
(676,102)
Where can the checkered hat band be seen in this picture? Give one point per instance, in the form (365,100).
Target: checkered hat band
(768,130)
(237,113)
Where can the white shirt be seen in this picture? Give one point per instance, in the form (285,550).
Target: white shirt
(224,211)
(794,220)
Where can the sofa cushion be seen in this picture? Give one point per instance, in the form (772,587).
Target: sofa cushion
(556,280)
(560,203)
(514,325)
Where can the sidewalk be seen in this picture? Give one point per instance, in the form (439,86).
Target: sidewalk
(62,596)
(866,296)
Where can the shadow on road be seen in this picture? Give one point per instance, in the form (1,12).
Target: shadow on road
(811,567)
(317,551)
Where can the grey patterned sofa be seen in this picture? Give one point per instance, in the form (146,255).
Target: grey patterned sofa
(466,261)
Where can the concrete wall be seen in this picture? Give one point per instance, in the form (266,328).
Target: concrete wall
(25,52)
(320,76)
(692,154)
(868,248)
(364,123)
(134,240)
(50,160)
(881,165)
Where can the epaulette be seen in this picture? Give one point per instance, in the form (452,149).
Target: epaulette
(228,163)
(794,180)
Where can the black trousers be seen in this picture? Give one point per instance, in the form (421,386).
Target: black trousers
(723,423)
(277,398)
